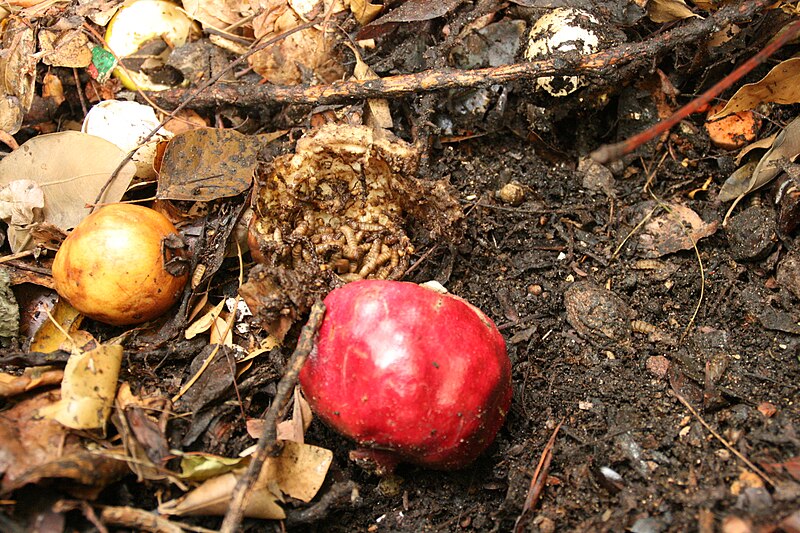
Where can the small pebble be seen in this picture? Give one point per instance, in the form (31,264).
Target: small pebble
(512,193)
(767,409)
(658,365)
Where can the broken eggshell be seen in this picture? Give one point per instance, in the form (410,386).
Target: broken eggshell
(562,30)
(127,124)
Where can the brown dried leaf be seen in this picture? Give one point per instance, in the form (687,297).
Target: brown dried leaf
(49,338)
(88,388)
(678,229)
(780,86)
(72,168)
(34,448)
(207,164)
(308,53)
(363,10)
(65,48)
(786,147)
(31,378)
(668,10)
(418,10)
(298,472)
(18,62)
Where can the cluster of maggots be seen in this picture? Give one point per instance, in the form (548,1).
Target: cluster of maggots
(351,249)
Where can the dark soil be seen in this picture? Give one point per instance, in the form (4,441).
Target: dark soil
(604,335)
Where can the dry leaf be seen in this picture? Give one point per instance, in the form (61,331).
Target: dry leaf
(221,332)
(49,338)
(198,466)
(31,378)
(379,114)
(53,89)
(88,388)
(71,168)
(363,10)
(677,229)
(668,10)
(780,86)
(785,148)
(33,448)
(205,322)
(65,48)
(17,71)
(207,164)
(309,53)
(21,204)
(294,429)
(298,471)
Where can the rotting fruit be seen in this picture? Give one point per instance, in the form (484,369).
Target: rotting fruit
(115,265)
(410,374)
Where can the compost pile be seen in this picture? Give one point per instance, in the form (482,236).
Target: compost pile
(282,151)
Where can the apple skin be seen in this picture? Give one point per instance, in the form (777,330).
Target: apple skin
(111,267)
(408,373)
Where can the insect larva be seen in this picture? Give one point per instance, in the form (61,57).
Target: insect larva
(350,250)
(197,275)
(640,326)
(647,264)
(370,260)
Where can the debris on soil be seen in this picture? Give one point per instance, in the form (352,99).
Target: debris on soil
(336,210)
(554,165)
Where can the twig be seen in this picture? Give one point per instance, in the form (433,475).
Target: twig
(267,443)
(448,78)
(612,152)
(537,481)
(725,443)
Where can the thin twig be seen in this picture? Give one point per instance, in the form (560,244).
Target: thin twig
(537,481)
(725,443)
(612,152)
(268,443)
(439,79)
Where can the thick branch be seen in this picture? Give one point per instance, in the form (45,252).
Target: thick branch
(448,78)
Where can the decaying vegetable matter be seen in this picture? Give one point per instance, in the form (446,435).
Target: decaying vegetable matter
(121,265)
(335,211)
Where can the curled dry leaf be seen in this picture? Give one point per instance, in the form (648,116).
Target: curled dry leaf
(88,388)
(306,53)
(17,72)
(780,86)
(298,472)
(68,48)
(668,10)
(33,448)
(786,147)
(31,378)
(21,204)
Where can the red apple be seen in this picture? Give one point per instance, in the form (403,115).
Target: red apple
(411,374)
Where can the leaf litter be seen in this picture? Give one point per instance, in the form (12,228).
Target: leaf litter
(207,200)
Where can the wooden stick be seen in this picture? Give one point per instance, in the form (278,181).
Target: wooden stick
(268,443)
(449,78)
